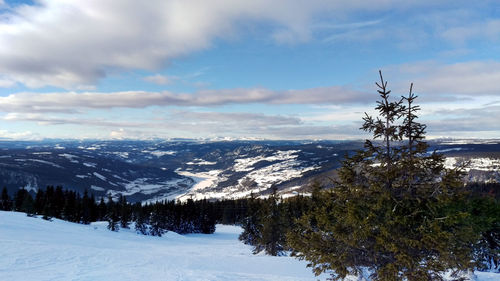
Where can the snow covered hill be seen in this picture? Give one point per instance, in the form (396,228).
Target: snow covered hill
(156,170)
(35,249)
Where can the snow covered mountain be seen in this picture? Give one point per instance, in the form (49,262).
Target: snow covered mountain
(153,170)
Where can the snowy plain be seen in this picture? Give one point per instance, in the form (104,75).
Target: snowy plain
(35,249)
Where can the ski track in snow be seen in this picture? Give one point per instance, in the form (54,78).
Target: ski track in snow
(34,249)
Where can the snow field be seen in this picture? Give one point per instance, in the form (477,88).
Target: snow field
(35,249)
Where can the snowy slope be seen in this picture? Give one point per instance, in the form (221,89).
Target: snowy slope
(34,249)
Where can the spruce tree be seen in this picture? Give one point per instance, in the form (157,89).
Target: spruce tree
(28,205)
(125,212)
(19,198)
(112,216)
(251,225)
(389,210)
(86,208)
(141,221)
(273,235)
(6,202)
(156,221)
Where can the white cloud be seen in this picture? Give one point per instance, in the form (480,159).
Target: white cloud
(118,134)
(72,102)
(433,79)
(27,135)
(486,28)
(73,44)
(160,79)
(192,125)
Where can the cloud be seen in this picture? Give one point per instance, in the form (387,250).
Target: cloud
(160,79)
(45,120)
(238,118)
(467,120)
(72,102)
(27,135)
(73,44)
(193,125)
(457,80)
(486,28)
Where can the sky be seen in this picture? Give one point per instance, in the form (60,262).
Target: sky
(281,69)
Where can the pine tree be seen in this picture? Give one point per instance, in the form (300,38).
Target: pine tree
(86,208)
(272,239)
(28,205)
(156,221)
(251,225)
(125,212)
(112,215)
(6,202)
(102,209)
(389,210)
(40,199)
(141,221)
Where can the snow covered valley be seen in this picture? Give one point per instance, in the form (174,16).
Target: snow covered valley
(147,171)
(35,249)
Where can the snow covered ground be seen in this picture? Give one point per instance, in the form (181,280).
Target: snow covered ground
(35,249)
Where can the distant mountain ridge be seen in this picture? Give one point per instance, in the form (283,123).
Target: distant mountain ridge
(158,169)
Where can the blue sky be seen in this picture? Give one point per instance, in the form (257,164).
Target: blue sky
(283,69)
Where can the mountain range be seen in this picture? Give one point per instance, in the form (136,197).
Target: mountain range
(181,169)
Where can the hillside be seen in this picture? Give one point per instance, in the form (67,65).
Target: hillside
(35,249)
(156,170)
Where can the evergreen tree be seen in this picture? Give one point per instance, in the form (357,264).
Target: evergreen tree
(251,225)
(49,210)
(86,208)
(141,221)
(125,212)
(28,205)
(40,200)
(102,209)
(389,210)
(69,209)
(5,201)
(19,199)
(272,238)
(112,216)
(156,221)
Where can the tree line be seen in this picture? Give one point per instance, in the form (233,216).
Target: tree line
(149,219)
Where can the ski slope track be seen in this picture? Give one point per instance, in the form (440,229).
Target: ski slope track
(35,249)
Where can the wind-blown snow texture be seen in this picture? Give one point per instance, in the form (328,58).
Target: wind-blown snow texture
(35,249)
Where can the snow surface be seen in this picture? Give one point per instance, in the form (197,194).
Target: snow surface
(70,157)
(45,162)
(35,249)
(159,153)
(481,164)
(101,177)
(88,164)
